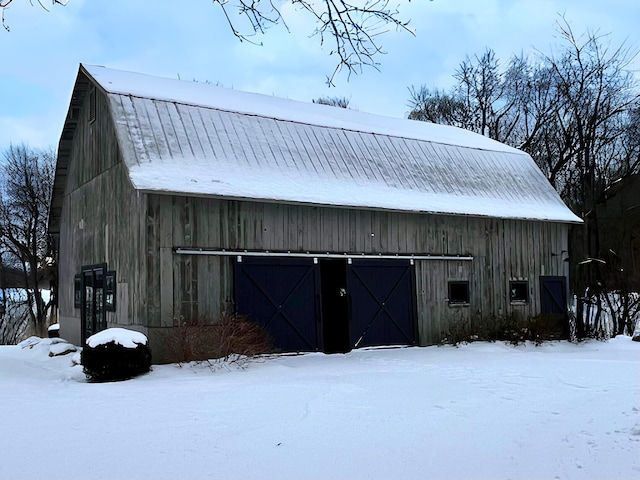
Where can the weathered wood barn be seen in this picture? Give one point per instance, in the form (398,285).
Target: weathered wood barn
(334,228)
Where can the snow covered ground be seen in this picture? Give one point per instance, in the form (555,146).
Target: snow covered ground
(484,410)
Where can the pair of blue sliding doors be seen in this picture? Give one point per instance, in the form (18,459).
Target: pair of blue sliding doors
(327,304)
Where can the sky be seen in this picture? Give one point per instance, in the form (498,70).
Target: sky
(40,55)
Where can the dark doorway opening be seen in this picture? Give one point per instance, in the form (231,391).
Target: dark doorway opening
(335,305)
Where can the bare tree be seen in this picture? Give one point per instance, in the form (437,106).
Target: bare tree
(438,106)
(486,99)
(577,113)
(596,92)
(14,317)
(342,102)
(26,182)
(351,28)
(629,161)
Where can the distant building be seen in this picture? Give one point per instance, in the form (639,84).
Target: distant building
(334,228)
(618,220)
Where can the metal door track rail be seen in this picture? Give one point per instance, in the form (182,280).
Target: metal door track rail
(348,256)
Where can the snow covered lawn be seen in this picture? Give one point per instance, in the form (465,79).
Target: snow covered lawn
(493,411)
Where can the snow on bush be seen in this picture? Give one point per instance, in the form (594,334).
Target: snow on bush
(115,354)
(52,347)
(121,336)
(61,348)
(30,342)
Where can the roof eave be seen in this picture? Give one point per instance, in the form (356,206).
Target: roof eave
(575,220)
(64,149)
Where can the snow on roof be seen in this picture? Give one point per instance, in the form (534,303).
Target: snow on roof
(192,138)
(211,96)
(121,336)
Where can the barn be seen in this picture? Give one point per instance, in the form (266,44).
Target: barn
(333,228)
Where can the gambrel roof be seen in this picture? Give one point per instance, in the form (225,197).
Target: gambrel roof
(188,138)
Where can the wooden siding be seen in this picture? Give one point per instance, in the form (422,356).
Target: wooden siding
(102,220)
(192,285)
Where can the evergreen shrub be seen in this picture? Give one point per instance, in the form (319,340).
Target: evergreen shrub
(112,362)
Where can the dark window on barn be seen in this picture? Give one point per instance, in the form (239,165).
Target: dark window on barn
(92,312)
(77,291)
(110,291)
(92,104)
(519,291)
(458,292)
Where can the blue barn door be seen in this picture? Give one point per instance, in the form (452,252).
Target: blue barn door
(553,295)
(553,304)
(382,302)
(280,294)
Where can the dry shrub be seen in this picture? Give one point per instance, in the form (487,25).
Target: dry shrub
(548,326)
(512,328)
(233,338)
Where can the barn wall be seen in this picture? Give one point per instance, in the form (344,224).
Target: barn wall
(503,251)
(100,222)
(185,286)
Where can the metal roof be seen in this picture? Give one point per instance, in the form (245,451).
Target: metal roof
(187,138)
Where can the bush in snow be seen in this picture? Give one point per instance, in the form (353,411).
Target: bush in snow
(513,328)
(115,354)
(231,338)
(57,347)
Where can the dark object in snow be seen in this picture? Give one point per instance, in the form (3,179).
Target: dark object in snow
(61,349)
(636,333)
(54,330)
(112,361)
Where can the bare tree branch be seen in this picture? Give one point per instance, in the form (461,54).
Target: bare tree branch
(4,4)
(352,27)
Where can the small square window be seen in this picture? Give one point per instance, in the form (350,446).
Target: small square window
(459,292)
(519,291)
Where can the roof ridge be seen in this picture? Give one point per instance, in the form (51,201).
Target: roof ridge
(249,103)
